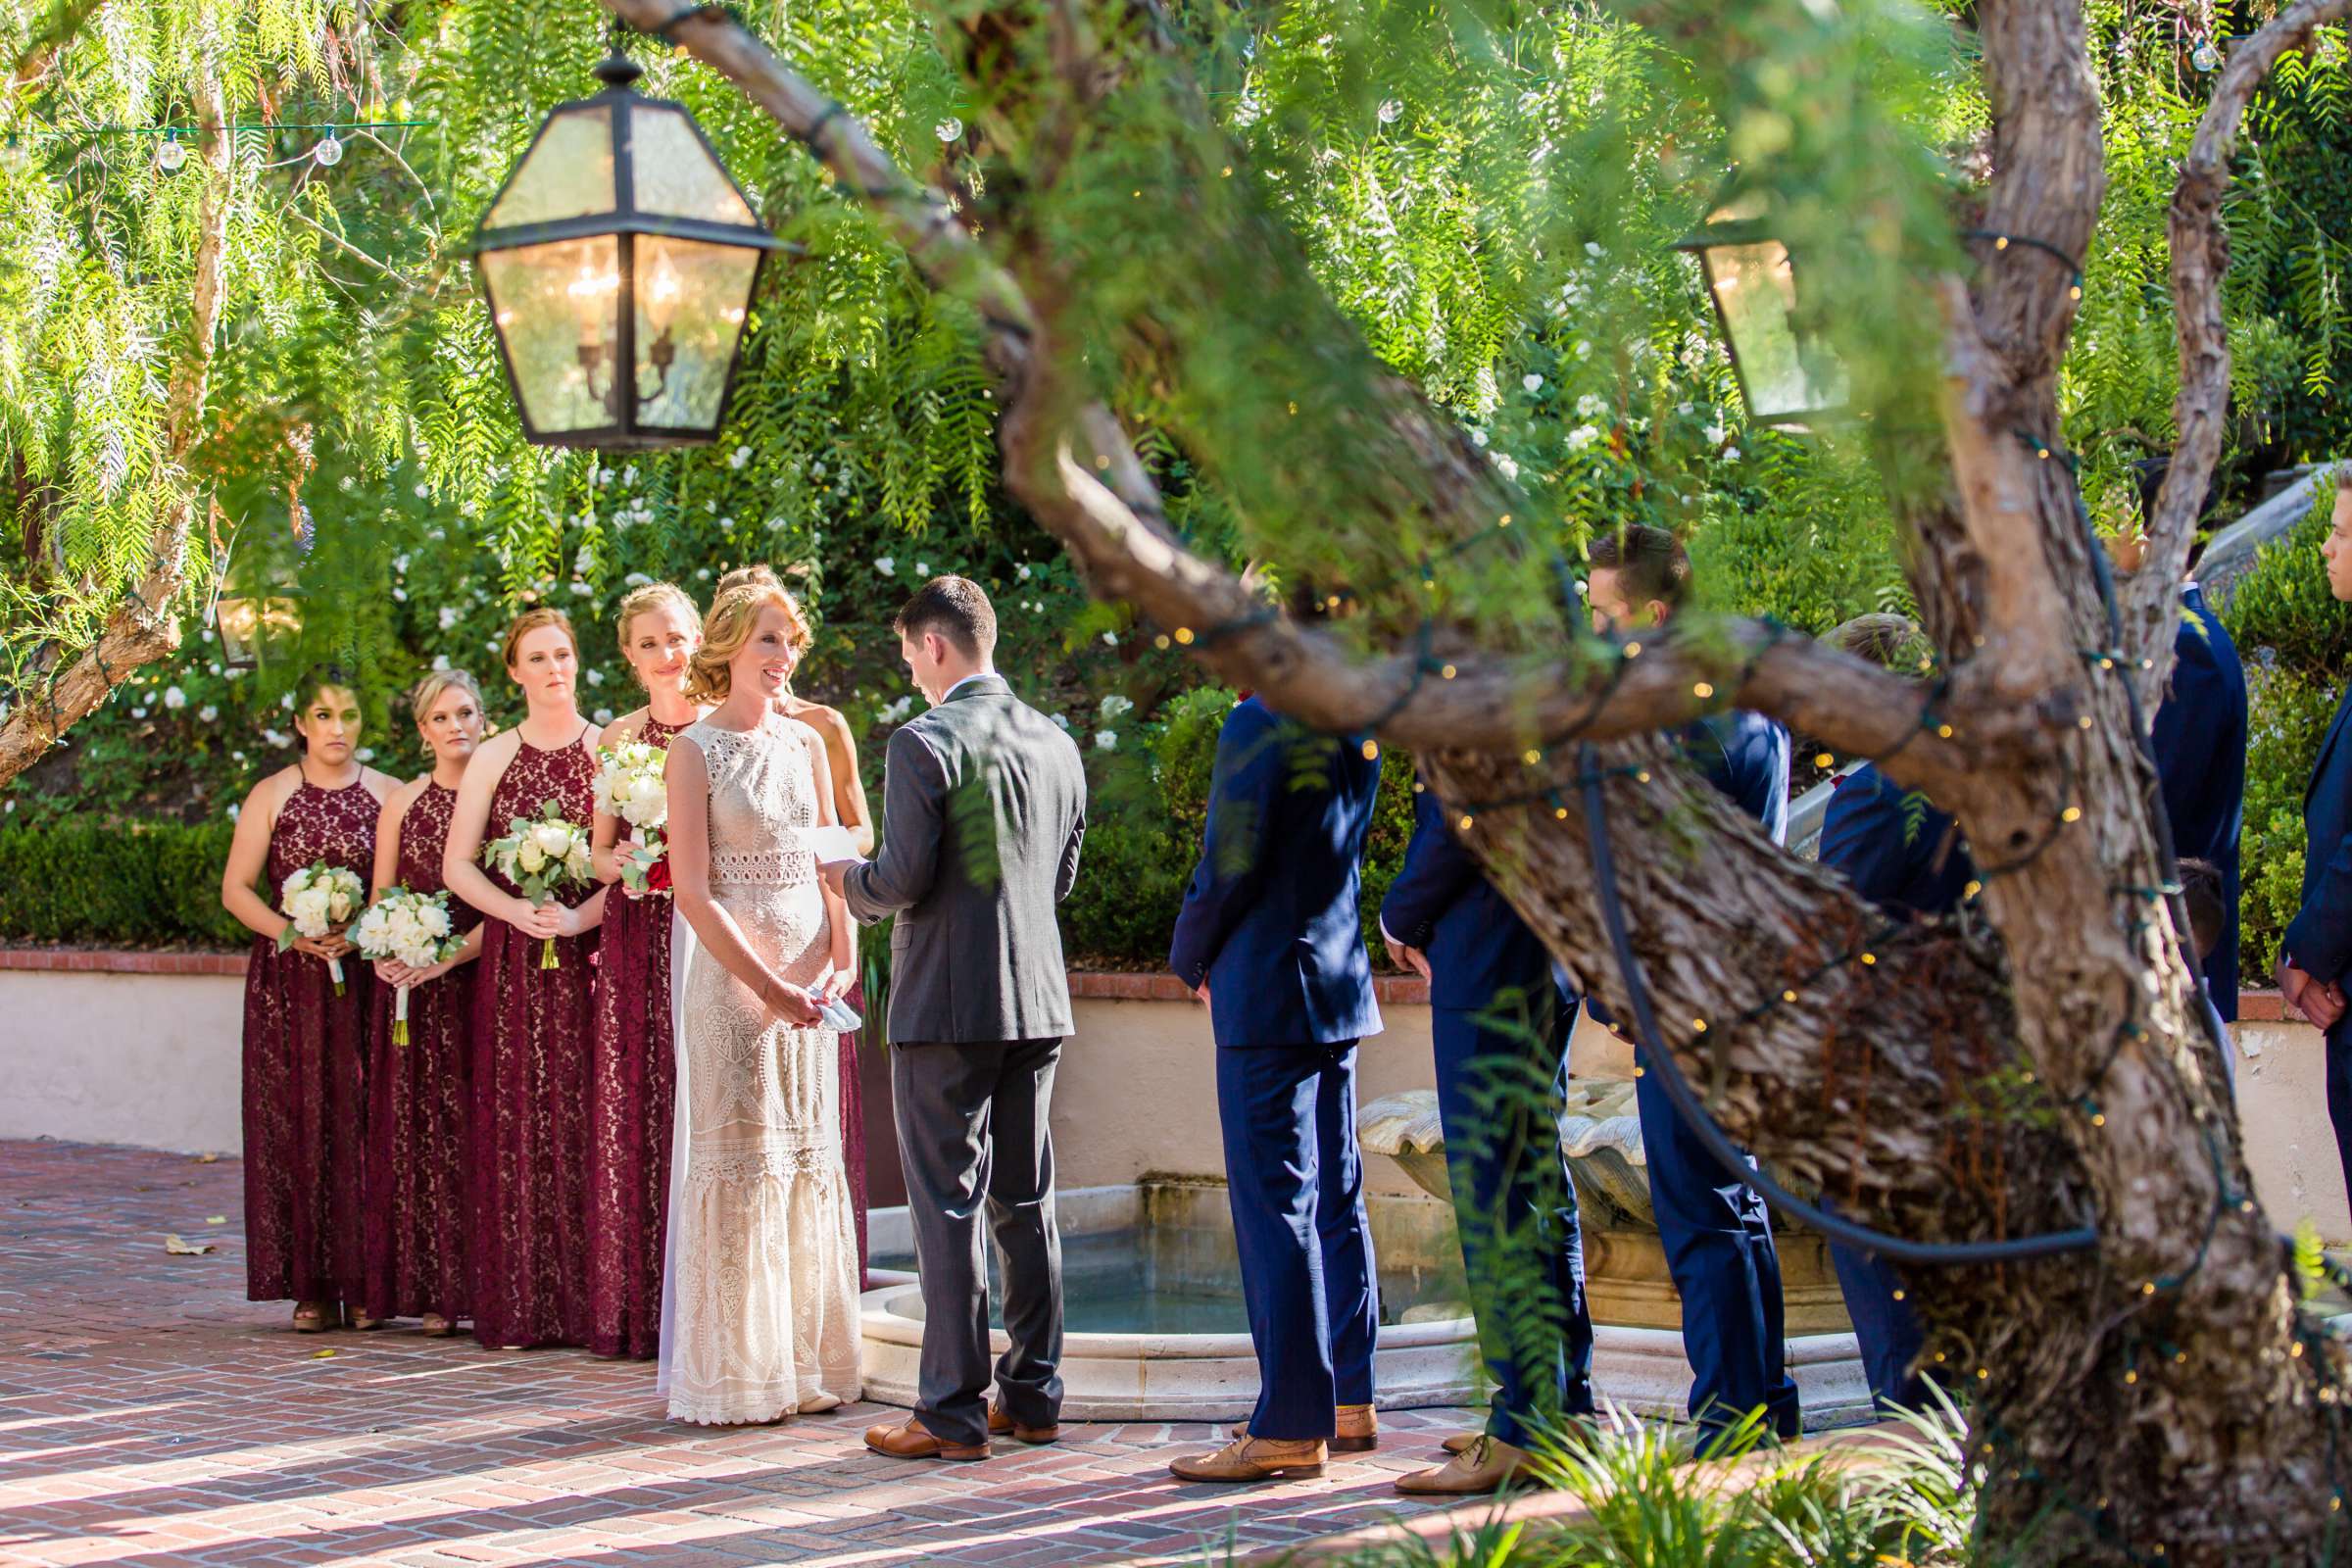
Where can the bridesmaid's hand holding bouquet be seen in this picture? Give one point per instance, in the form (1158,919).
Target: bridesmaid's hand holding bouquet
(319,901)
(630,786)
(413,931)
(541,858)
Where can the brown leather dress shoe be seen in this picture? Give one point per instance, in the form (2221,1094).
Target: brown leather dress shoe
(1358,1430)
(1486,1465)
(1002,1425)
(1459,1443)
(912,1440)
(1254,1459)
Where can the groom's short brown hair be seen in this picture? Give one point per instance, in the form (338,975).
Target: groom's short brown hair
(956,610)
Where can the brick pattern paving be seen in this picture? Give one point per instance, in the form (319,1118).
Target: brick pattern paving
(151,1416)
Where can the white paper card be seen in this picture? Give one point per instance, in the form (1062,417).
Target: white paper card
(829,844)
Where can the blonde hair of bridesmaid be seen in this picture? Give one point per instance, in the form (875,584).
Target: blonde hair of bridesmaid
(732,619)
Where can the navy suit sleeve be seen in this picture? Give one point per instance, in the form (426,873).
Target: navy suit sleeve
(1225,884)
(1862,838)
(2318,941)
(1437,871)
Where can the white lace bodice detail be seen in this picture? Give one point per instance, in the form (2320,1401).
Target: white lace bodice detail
(762,793)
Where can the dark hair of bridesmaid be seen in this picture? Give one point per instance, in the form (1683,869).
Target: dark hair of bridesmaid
(317,682)
(530,620)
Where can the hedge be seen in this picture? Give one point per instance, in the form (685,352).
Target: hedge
(144,883)
(105,882)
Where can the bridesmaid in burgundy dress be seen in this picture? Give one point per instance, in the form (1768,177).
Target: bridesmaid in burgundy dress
(532,1025)
(417,1220)
(304,1085)
(633,1071)
(848,804)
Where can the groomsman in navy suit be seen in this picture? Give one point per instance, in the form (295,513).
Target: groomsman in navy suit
(2200,744)
(1500,1014)
(1905,856)
(1716,1230)
(1271,938)
(2318,950)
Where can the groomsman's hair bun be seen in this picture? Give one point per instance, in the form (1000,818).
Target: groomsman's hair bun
(732,619)
(1650,563)
(529,621)
(957,610)
(426,692)
(654,595)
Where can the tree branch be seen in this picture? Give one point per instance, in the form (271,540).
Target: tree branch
(145,625)
(2200,253)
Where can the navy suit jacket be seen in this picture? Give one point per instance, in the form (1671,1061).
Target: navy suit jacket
(1872,839)
(1272,918)
(2200,744)
(1443,904)
(2318,941)
(1745,756)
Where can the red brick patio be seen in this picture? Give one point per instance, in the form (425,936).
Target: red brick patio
(150,1415)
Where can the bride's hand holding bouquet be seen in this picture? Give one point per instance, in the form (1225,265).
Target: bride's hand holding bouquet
(318,902)
(542,857)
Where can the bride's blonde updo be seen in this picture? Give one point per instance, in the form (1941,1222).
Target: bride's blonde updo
(728,627)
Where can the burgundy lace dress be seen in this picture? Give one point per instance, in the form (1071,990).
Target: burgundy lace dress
(418,1218)
(532,1030)
(305,1088)
(632,1098)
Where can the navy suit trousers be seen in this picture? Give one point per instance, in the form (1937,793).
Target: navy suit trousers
(2339,1092)
(1719,1249)
(1515,1208)
(1296,1180)
(1887,1329)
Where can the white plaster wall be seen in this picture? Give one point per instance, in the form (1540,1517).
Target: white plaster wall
(2290,1143)
(153,1060)
(123,1058)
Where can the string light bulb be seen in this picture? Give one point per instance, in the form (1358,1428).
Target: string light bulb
(170,157)
(329,151)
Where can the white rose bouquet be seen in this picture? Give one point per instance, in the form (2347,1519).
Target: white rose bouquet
(317,901)
(411,928)
(630,786)
(540,857)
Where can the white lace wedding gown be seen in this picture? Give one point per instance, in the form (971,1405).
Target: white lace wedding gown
(762,1296)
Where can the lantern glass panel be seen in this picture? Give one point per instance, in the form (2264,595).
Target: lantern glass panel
(556,310)
(1755,289)
(691,298)
(676,174)
(248,625)
(566,174)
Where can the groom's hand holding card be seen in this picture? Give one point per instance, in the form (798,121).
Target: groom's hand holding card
(836,850)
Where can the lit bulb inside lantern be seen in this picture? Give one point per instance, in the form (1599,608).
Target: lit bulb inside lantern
(662,286)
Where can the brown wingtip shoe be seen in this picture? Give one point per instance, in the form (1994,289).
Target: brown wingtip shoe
(1358,1430)
(1254,1459)
(912,1440)
(1488,1465)
(1003,1425)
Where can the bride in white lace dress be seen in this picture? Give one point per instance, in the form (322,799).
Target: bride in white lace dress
(760,1304)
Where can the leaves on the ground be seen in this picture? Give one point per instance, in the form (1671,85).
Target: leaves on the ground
(208,1159)
(215,1219)
(178,1248)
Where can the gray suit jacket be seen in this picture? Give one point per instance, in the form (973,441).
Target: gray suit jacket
(983,808)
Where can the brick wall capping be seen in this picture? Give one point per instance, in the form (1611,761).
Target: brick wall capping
(1086,985)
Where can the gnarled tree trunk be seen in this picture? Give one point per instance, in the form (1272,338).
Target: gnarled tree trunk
(2037,1068)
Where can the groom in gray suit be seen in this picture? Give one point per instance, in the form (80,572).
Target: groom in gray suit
(983,806)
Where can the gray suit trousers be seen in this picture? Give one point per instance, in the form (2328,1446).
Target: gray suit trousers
(973,1130)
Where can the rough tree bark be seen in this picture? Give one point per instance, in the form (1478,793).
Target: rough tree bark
(146,624)
(2035,1068)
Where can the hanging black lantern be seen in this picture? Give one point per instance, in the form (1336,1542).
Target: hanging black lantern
(1787,371)
(618,260)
